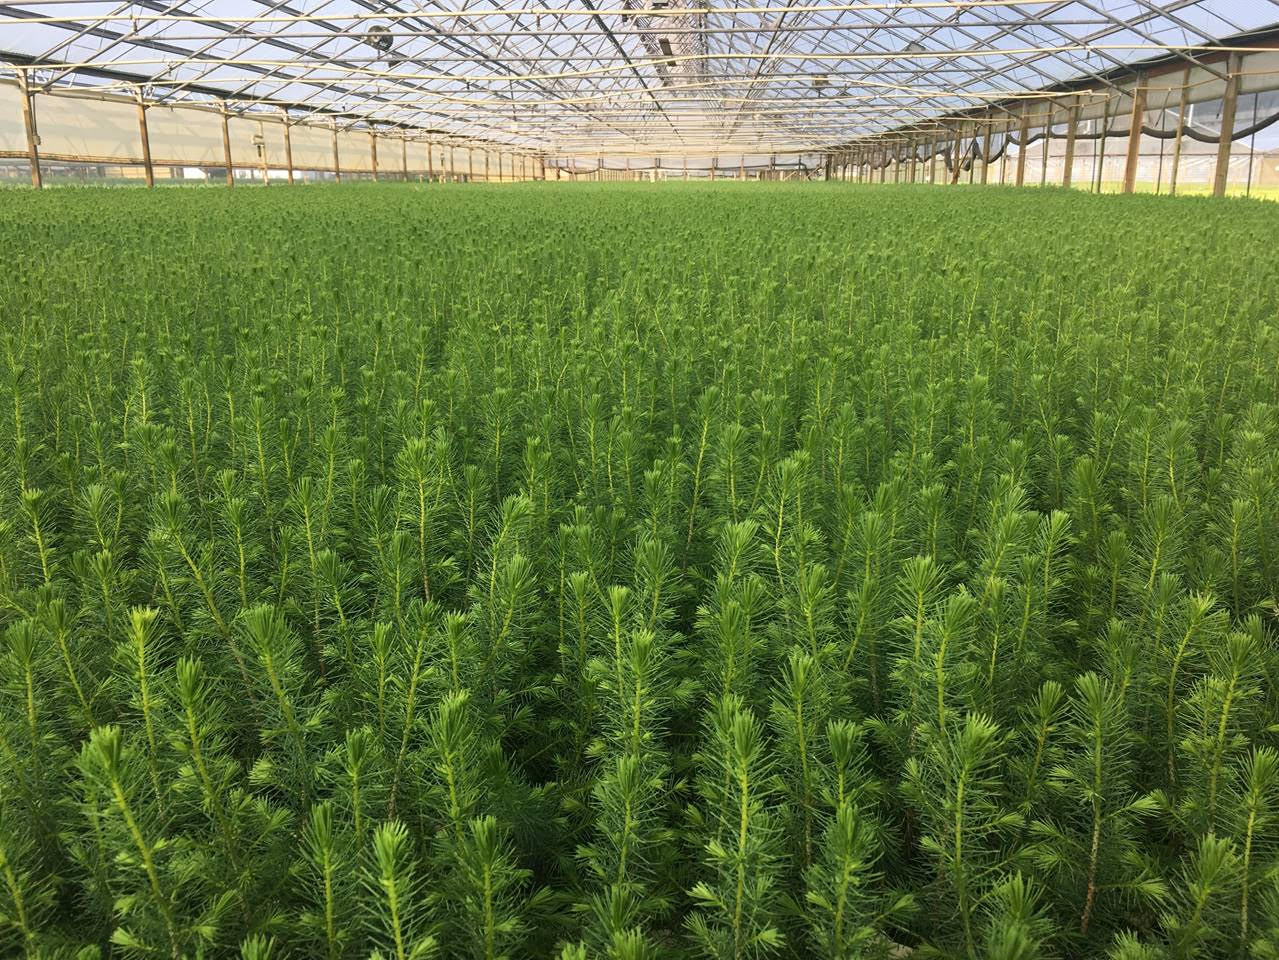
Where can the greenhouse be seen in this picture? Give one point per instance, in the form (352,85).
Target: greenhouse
(639,480)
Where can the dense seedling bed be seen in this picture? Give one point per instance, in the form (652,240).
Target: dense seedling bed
(638,572)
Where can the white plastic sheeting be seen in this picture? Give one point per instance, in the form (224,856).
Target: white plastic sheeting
(312,147)
(187,135)
(88,128)
(13,139)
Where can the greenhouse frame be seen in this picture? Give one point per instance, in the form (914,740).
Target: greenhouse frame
(991,91)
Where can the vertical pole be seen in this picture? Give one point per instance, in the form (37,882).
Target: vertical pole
(486,166)
(1047,140)
(404,156)
(1163,120)
(932,161)
(29,124)
(1003,157)
(1229,103)
(1252,146)
(1181,129)
(686,167)
(987,121)
(470,165)
(226,148)
(430,160)
(969,156)
(1072,123)
(1101,156)
(266,180)
(657,165)
(373,152)
(741,168)
(288,143)
(1023,134)
(1134,133)
(147,169)
(772,166)
(714,164)
(337,167)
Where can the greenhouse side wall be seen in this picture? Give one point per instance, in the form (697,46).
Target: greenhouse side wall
(85,136)
(1083,139)
(80,134)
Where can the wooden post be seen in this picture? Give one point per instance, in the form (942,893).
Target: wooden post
(29,125)
(985,149)
(714,164)
(970,152)
(373,152)
(1043,153)
(1101,152)
(1023,134)
(1003,157)
(470,165)
(266,179)
(288,143)
(486,166)
(226,149)
(1072,124)
(337,167)
(1229,103)
(1134,133)
(147,169)
(1181,130)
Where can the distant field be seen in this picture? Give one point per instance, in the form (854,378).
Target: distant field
(638,571)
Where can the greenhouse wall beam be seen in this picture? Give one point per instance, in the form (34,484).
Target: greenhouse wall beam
(1134,135)
(1181,127)
(29,127)
(1229,103)
(337,166)
(1072,130)
(1023,134)
(148,169)
(226,149)
(288,144)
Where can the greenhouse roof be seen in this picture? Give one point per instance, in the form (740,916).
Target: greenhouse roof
(611,76)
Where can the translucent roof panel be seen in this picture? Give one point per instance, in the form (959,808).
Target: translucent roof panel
(610,76)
